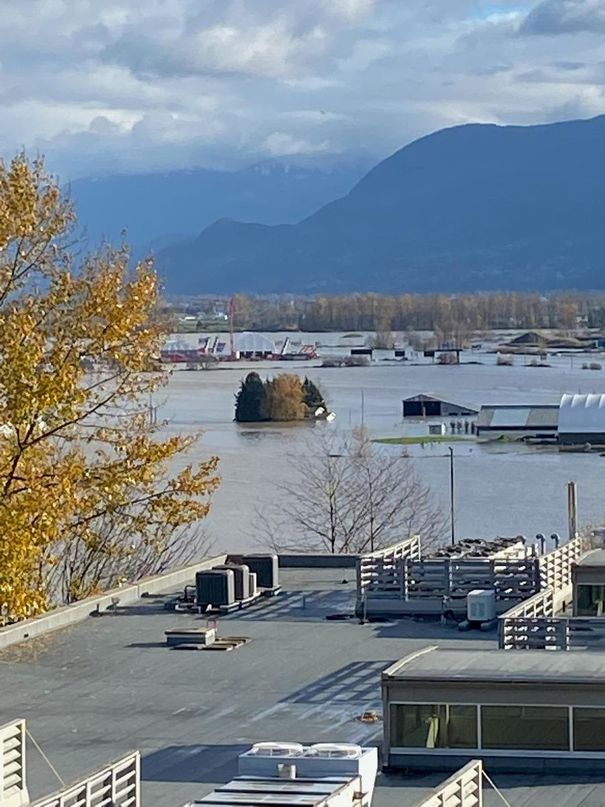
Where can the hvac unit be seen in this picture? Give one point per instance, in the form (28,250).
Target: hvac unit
(334,751)
(276,750)
(252,584)
(241,579)
(266,569)
(215,587)
(481,605)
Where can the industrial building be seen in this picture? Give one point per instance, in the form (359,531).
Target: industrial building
(431,406)
(582,420)
(518,422)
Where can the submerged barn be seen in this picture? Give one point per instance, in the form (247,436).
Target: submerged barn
(431,406)
(518,422)
(582,420)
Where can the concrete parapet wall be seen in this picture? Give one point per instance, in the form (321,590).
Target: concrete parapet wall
(127,594)
(318,560)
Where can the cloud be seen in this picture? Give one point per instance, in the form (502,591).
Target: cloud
(282,144)
(566,17)
(124,86)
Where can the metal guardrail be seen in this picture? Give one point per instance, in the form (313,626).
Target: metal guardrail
(118,783)
(13,786)
(463,789)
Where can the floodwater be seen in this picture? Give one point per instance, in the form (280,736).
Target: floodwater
(504,489)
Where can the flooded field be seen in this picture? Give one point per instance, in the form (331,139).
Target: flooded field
(503,489)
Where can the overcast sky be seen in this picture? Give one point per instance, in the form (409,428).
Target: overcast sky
(137,85)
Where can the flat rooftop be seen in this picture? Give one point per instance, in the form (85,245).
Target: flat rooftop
(99,689)
(511,666)
(594,558)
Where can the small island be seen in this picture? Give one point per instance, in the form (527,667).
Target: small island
(281,399)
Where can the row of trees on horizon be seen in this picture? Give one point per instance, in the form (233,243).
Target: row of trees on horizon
(443,313)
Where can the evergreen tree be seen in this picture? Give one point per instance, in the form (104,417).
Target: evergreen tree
(251,405)
(312,396)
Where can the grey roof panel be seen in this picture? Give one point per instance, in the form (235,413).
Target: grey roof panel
(495,665)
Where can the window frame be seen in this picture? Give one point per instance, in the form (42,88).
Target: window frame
(594,753)
(448,704)
(496,752)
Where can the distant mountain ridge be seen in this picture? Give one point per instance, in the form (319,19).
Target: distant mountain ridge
(156,210)
(474,207)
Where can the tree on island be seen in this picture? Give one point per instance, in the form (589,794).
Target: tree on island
(286,398)
(87,495)
(282,399)
(312,397)
(251,401)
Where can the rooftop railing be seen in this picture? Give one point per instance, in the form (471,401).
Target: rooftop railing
(118,783)
(13,787)
(381,572)
(463,789)
(535,624)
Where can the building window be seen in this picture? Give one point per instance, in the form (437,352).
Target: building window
(588,729)
(591,600)
(422,725)
(542,728)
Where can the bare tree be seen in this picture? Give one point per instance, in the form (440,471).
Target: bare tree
(117,557)
(348,495)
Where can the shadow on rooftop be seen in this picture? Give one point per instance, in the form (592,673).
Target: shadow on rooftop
(192,763)
(356,682)
(408,628)
(300,606)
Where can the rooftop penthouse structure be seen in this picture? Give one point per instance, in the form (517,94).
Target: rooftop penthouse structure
(517,711)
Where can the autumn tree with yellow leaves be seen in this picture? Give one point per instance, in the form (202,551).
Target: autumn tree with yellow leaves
(87,497)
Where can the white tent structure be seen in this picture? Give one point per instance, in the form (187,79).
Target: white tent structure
(253,345)
(582,420)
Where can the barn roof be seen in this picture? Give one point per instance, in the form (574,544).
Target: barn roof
(583,414)
(430,396)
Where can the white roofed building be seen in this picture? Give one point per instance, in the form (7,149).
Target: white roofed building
(582,420)
(253,346)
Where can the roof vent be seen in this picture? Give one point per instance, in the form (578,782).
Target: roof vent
(334,751)
(277,750)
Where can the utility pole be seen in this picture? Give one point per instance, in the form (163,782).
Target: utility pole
(362,408)
(452,503)
(231,314)
(572,509)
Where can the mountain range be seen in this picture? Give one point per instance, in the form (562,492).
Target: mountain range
(473,207)
(155,210)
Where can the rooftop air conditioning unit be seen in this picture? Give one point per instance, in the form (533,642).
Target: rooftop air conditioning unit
(266,569)
(241,580)
(276,750)
(252,585)
(481,605)
(334,751)
(215,587)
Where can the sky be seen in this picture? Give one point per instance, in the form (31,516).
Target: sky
(134,86)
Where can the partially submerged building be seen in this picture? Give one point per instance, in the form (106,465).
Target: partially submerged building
(581,420)
(426,405)
(518,422)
